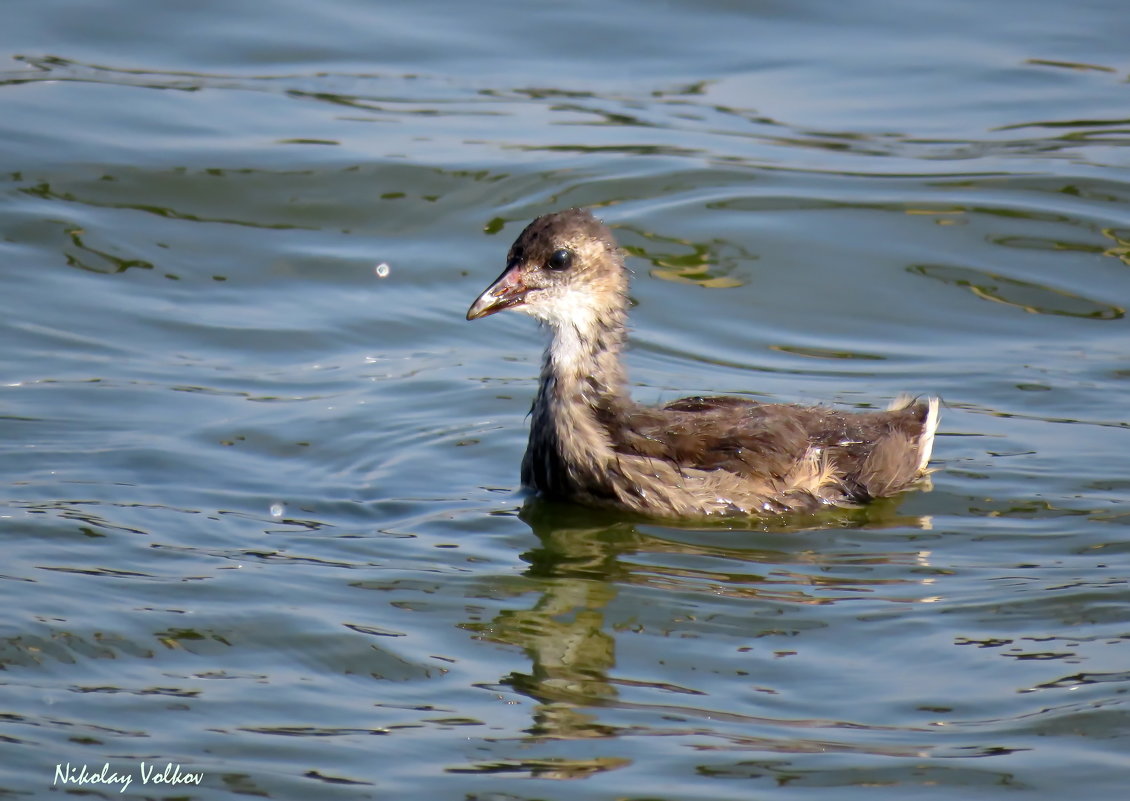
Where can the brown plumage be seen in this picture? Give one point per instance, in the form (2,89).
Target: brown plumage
(695,457)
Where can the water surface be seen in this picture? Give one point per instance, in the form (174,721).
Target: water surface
(260,511)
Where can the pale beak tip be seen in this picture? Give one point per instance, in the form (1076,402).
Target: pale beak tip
(506,292)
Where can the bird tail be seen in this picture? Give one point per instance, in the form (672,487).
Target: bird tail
(929,429)
(929,426)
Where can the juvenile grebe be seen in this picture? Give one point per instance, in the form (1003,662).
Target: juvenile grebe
(695,457)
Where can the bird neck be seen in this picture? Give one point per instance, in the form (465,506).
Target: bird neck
(583,355)
(583,388)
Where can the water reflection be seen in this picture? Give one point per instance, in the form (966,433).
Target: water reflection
(711,265)
(593,573)
(99,261)
(1121,248)
(612,122)
(46,192)
(1026,295)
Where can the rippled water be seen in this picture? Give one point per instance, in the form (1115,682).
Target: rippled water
(260,513)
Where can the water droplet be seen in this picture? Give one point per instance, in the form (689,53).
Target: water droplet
(277,509)
(382,270)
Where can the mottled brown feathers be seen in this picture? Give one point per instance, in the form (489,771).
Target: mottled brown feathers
(695,457)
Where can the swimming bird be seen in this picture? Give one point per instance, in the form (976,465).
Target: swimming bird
(697,457)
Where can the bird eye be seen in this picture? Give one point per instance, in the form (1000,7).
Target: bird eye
(561,259)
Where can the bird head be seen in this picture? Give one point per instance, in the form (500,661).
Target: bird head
(564,268)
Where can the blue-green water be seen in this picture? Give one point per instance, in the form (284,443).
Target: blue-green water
(259,513)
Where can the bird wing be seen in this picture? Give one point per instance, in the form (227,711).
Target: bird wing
(765,441)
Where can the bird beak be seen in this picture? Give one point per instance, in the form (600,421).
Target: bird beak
(507,291)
